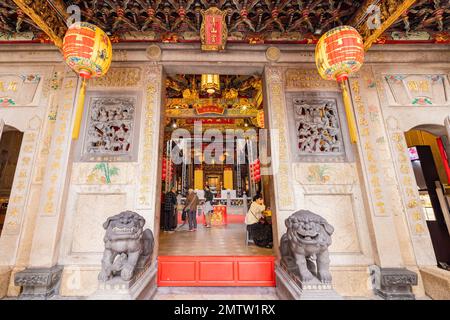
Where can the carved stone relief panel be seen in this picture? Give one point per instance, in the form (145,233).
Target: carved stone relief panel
(426,90)
(307,79)
(110,127)
(18,89)
(316,129)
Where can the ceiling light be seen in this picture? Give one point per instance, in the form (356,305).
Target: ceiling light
(210,83)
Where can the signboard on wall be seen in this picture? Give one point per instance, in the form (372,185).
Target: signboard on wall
(209,109)
(213,32)
(18,90)
(424,90)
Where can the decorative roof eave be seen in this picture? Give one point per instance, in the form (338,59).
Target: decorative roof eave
(48,15)
(389,12)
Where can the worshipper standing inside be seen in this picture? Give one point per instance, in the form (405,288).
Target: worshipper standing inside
(207,207)
(260,231)
(180,209)
(170,200)
(191,209)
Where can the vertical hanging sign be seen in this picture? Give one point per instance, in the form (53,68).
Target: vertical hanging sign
(213,32)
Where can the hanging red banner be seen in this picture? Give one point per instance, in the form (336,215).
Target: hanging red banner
(211,109)
(213,32)
(212,121)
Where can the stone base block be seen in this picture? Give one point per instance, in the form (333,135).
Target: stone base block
(436,282)
(143,287)
(79,281)
(352,281)
(39,283)
(288,289)
(13,290)
(5,273)
(393,283)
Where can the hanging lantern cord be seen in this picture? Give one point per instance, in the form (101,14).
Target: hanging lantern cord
(349,112)
(79,111)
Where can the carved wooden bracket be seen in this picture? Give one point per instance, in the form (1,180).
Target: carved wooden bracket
(49,15)
(376,16)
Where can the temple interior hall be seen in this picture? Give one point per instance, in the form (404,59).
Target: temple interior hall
(225,150)
(211,138)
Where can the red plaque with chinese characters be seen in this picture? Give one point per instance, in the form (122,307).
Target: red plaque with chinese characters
(209,109)
(213,32)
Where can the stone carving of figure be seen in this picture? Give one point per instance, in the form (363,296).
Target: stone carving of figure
(304,246)
(128,246)
(317,126)
(103,115)
(111,126)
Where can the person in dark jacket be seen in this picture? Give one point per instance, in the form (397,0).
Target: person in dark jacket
(170,200)
(191,209)
(208,208)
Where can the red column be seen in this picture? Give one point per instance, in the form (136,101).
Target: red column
(444,157)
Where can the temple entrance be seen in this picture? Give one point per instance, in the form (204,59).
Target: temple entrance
(428,157)
(10,143)
(214,145)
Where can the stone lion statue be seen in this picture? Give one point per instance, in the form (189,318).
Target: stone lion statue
(127,246)
(304,246)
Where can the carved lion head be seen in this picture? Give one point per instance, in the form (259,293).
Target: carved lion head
(125,225)
(305,227)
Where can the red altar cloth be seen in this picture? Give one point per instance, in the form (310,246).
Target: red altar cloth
(219,216)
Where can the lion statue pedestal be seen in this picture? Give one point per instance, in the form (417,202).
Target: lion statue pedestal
(127,272)
(304,270)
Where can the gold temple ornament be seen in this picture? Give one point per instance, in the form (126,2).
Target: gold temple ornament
(210,83)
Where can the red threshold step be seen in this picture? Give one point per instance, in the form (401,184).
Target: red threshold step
(216,271)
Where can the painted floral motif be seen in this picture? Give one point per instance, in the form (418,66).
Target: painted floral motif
(422,101)
(102,173)
(435,77)
(318,173)
(371,83)
(396,78)
(7,102)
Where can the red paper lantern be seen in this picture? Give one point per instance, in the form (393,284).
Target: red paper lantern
(339,53)
(88,51)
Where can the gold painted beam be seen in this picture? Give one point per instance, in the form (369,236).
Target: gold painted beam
(49,16)
(389,11)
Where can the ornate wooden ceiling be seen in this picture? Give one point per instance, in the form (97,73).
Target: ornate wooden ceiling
(234,85)
(250,21)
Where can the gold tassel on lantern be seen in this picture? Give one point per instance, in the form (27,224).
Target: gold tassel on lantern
(80,108)
(349,112)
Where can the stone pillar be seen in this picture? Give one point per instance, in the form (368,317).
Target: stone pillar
(37,123)
(382,189)
(21,197)
(42,275)
(148,193)
(281,163)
